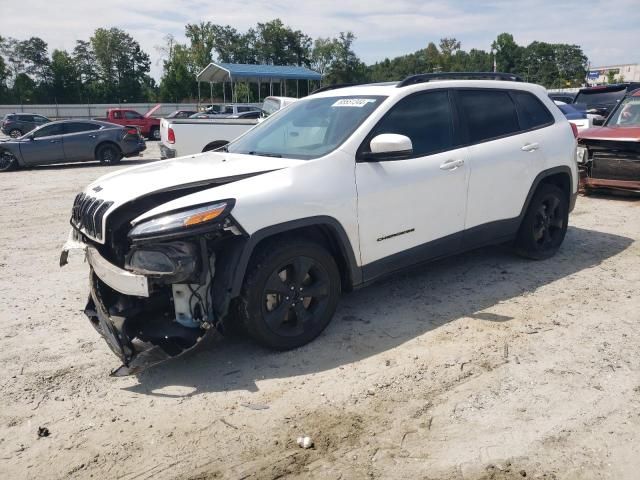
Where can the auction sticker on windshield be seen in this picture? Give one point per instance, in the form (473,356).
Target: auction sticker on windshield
(353,102)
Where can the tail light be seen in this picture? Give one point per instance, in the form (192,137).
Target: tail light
(171,136)
(132,131)
(574,128)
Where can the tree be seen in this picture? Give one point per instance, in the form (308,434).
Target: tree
(509,55)
(122,66)
(611,76)
(347,67)
(324,53)
(179,81)
(202,39)
(65,83)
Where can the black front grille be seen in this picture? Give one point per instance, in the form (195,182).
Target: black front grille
(87,214)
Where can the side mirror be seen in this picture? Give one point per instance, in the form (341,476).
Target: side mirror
(387,147)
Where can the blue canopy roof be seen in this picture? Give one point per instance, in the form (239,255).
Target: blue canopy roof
(224,72)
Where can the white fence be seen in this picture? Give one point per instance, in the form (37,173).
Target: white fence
(93,110)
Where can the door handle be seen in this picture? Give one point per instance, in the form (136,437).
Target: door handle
(92,136)
(530,147)
(451,164)
(54,141)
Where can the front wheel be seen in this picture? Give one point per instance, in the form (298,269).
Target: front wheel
(545,224)
(108,154)
(290,294)
(8,161)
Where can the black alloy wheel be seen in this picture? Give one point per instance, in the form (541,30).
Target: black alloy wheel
(8,161)
(545,223)
(290,294)
(108,154)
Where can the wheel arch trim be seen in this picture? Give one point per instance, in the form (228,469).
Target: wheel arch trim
(340,235)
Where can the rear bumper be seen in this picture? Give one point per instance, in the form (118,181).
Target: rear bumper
(135,149)
(166,152)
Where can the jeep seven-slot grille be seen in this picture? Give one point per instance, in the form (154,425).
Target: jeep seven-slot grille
(87,214)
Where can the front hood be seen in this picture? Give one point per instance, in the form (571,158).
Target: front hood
(128,184)
(627,134)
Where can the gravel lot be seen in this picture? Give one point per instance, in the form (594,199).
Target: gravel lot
(482,366)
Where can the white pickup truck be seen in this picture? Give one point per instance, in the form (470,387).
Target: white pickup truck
(180,137)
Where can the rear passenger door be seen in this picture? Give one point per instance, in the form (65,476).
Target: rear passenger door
(80,140)
(413,209)
(505,131)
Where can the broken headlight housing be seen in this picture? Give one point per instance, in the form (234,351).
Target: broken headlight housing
(173,262)
(182,221)
(582,154)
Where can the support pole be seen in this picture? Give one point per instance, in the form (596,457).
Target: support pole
(211,91)
(297,88)
(199,101)
(224,91)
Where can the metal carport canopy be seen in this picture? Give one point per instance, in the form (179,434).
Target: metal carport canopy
(225,72)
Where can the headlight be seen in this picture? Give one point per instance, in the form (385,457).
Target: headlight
(582,154)
(183,220)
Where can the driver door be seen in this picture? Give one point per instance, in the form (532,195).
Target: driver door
(43,146)
(413,209)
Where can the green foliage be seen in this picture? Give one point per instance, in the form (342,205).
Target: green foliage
(111,65)
(611,76)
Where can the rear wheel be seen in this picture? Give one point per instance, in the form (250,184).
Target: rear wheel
(108,154)
(545,224)
(15,133)
(155,133)
(290,294)
(8,161)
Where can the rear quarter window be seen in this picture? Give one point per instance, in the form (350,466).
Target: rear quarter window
(489,114)
(531,112)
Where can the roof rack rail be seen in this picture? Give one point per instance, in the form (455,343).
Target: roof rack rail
(334,87)
(427,77)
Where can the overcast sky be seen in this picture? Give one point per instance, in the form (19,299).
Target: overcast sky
(609,32)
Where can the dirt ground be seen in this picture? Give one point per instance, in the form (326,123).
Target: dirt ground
(482,366)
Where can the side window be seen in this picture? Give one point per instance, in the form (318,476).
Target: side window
(425,118)
(26,118)
(80,127)
(39,119)
(48,130)
(117,115)
(531,112)
(489,114)
(132,115)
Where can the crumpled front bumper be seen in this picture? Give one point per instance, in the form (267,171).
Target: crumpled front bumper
(121,310)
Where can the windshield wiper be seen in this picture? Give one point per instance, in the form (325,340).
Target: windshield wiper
(266,154)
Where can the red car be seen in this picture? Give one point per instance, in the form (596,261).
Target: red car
(609,156)
(147,125)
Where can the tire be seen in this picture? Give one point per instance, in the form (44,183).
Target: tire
(8,161)
(273,307)
(154,134)
(108,154)
(15,133)
(545,224)
(214,146)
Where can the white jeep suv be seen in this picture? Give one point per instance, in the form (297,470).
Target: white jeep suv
(334,192)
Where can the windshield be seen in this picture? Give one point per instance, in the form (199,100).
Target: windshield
(307,129)
(602,97)
(627,114)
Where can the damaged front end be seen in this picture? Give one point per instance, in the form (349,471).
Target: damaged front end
(609,164)
(154,291)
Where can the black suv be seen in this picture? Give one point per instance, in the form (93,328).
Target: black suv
(17,124)
(601,100)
